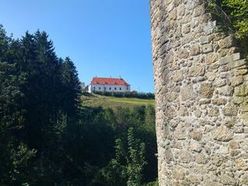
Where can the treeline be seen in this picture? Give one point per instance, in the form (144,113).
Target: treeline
(47,138)
(132,94)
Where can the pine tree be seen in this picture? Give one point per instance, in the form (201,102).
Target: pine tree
(71,85)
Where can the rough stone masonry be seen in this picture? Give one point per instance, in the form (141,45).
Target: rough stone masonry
(201,86)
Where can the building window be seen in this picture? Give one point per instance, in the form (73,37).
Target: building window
(99,88)
(120,88)
(115,88)
(94,88)
(109,88)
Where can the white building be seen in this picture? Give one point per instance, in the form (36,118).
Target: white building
(108,85)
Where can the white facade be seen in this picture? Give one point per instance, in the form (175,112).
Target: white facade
(109,88)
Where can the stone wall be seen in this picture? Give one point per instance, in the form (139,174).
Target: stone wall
(201,87)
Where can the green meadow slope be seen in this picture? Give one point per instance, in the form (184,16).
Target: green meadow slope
(114,102)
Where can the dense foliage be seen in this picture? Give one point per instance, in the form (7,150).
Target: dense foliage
(47,138)
(237,10)
(232,15)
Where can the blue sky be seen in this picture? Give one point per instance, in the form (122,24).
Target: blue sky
(102,37)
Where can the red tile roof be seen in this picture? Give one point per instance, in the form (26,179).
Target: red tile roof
(108,81)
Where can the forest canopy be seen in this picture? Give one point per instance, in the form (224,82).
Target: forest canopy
(48,138)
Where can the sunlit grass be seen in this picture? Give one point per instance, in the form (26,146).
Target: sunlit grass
(114,102)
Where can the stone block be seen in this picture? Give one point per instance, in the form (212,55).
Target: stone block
(213,112)
(219,82)
(204,39)
(211,58)
(241,164)
(230,110)
(222,133)
(228,180)
(180,11)
(206,90)
(199,10)
(178,76)
(236,56)
(186,28)
(195,71)
(200,158)
(237,64)
(183,53)
(207,48)
(244,179)
(187,92)
(195,146)
(219,101)
(195,50)
(239,72)
(227,42)
(241,90)
(236,81)
(226,91)
(196,135)
(226,60)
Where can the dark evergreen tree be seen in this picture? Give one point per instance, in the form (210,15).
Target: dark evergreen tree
(70,98)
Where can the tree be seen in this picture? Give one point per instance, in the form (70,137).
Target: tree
(70,97)
(15,155)
(127,166)
(136,159)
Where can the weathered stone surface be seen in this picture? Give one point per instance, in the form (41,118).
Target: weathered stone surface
(195,50)
(196,71)
(225,60)
(201,85)
(219,101)
(178,76)
(206,90)
(241,164)
(237,81)
(226,91)
(196,135)
(183,53)
(212,183)
(201,158)
(178,174)
(222,133)
(241,91)
(238,64)
(211,58)
(244,179)
(228,180)
(241,72)
(194,179)
(186,28)
(185,156)
(207,48)
(187,92)
(195,146)
(226,42)
(220,82)
(230,110)
(213,112)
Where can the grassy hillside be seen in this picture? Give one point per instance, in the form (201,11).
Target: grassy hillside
(114,102)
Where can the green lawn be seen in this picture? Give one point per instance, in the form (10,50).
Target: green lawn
(114,102)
